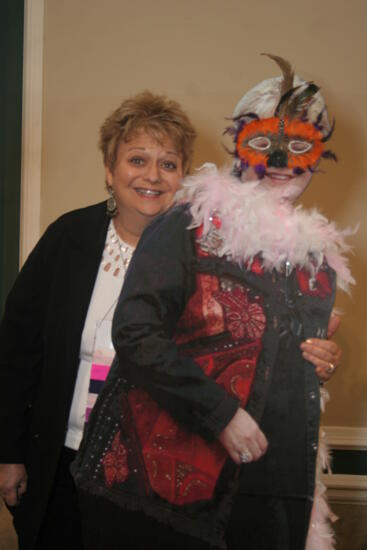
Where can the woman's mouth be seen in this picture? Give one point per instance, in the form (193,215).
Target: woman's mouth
(148,193)
(279,177)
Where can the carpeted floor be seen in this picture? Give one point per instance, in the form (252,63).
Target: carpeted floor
(350,529)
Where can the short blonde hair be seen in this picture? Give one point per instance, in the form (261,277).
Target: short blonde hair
(154,114)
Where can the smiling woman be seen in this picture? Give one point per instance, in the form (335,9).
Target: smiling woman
(56,332)
(147,148)
(146,175)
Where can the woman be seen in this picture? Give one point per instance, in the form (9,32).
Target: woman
(219,296)
(62,304)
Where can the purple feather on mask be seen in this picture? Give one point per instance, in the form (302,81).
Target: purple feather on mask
(230,130)
(298,171)
(317,124)
(329,155)
(330,133)
(260,170)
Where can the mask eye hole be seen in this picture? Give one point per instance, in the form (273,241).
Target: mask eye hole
(260,143)
(299,147)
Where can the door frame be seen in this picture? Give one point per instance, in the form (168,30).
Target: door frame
(30,203)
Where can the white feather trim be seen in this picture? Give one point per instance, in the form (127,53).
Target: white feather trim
(252,222)
(320,533)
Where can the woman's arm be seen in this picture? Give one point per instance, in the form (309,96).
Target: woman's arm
(21,345)
(156,289)
(325,355)
(20,361)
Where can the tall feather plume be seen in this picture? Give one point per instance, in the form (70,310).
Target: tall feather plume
(288,73)
(293,103)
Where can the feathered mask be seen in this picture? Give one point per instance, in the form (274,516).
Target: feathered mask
(282,122)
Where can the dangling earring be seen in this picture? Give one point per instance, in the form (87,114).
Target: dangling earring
(111,203)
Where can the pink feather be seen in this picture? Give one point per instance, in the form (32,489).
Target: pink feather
(253,222)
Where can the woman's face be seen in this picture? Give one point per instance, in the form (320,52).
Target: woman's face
(145,178)
(282,183)
(281,153)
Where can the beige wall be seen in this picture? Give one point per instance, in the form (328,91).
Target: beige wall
(205,53)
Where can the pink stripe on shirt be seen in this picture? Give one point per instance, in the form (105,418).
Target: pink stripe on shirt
(99,372)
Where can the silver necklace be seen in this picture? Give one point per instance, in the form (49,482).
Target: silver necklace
(117,254)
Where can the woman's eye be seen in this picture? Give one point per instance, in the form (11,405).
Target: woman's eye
(260,143)
(299,147)
(137,161)
(169,165)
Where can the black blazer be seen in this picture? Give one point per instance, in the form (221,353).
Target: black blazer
(40,337)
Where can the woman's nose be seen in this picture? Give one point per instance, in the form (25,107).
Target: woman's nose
(152,173)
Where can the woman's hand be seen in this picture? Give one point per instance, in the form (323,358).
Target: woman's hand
(13,482)
(243,439)
(325,355)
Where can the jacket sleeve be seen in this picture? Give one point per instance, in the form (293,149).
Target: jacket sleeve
(21,350)
(156,289)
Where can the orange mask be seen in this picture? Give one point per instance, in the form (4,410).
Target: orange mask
(279,142)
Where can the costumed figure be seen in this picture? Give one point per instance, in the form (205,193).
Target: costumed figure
(219,295)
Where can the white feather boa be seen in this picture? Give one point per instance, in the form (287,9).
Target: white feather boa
(320,533)
(252,222)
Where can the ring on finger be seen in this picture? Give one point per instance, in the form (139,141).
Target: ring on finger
(245,456)
(331,368)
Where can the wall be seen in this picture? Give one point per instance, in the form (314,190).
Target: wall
(205,53)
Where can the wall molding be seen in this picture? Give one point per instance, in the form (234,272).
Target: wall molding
(30,202)
(345,488)
(346,437)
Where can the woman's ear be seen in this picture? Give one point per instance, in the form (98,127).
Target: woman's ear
(109,175)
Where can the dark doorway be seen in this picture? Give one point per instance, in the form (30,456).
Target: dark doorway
(11,83)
